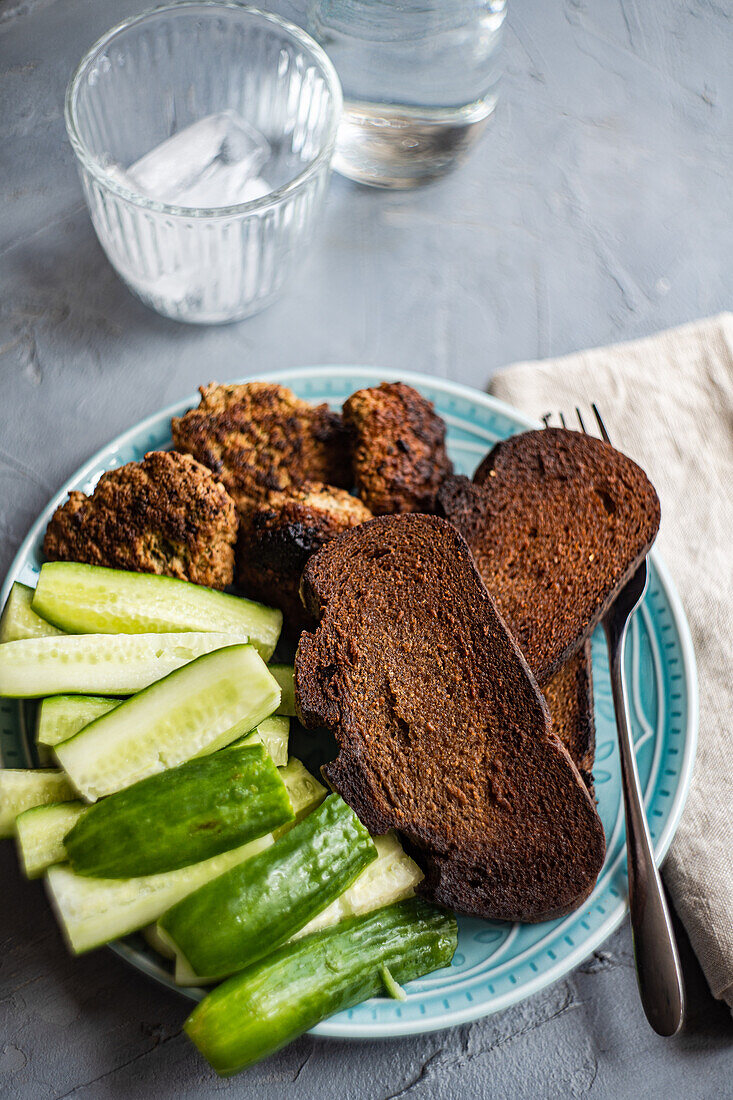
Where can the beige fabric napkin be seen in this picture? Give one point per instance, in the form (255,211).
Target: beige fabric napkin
(668,402)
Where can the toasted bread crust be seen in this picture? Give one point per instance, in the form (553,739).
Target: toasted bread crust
(399,451)
(442,732)
(259,438)
(569,697)
(277,538)
(165,515)
(557,522)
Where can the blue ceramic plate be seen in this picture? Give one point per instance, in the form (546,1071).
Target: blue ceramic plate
(497,964)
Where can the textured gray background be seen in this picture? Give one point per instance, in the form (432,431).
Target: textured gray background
(597,208)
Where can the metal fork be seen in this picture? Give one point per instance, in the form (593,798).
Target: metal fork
(658,970)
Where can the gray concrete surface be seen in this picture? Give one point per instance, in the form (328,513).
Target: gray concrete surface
(597,208)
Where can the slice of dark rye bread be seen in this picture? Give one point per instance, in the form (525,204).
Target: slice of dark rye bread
(557,522)
(442,732)
(569,698)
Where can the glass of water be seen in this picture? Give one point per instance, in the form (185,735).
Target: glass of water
(419,79)
(204,134)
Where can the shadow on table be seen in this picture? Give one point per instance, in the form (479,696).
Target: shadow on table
(92,1023)
(63,280)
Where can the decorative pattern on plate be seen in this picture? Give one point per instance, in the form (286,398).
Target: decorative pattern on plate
(497,964)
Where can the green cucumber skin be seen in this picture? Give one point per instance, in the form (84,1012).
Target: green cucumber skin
(249,911)
(91,599)
(260,1010)
(62,716)
(391,878)
(19,620)
(168,723)
(181,816)
(285,676)
(93,911)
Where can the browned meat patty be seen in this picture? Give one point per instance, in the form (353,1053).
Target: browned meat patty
(165,515)
(276,539)
(259,438)
(399,451)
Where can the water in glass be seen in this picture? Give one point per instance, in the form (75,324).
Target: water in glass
(419,78)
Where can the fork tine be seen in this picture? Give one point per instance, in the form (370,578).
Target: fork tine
(600,423)
(546,419)
(562,420)
(580,421)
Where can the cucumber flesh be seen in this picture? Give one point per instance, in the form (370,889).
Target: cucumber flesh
(196,709)
(45,756)
(98,664)
(92,911)
(304,790)
(18,620)
(61,716)
(274,1001)
(285,676)
(88,599)
(40,832)
(181,816)
(274,734)
(392,877)
(153,938)
(392,988)
(246,913)
(21,789)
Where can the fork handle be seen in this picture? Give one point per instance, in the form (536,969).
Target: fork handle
(658,969)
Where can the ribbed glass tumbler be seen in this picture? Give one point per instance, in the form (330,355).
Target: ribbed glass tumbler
(204,134)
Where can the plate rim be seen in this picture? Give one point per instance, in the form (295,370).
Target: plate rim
(500,1002)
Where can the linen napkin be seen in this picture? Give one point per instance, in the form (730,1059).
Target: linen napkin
(667,401)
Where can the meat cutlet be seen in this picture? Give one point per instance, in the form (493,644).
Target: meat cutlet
(276,539)
(259,438)
(399,455)
(167,514)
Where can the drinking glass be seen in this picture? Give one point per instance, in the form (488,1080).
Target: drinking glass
(204,133)
(419,79)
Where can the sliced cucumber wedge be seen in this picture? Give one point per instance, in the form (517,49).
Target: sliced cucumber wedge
(153,938)
(183,815)
(304,790)
(21,789)
(94,911)
(285,676)
(87,599)
(98,664)
(195,710)
(250,910)
(270,1003)
(40,832)
(61,716)
(274,734)
(18,620)
(392,877)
